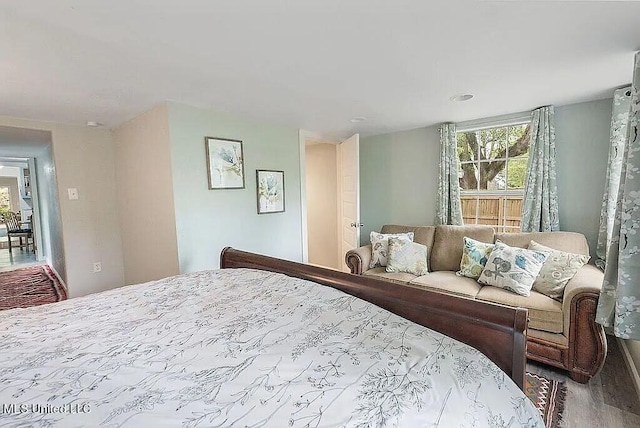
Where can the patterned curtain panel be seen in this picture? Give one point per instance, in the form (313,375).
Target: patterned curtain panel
(540,205)
(618,138)
(449,210)
(619,304)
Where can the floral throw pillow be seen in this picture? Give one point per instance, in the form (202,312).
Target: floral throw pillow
(407,256)
(513,269)
(380,244)
(557,270)
(474,256)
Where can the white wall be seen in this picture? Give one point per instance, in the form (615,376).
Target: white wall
(52,237)
(84,159)
(208,220)
(322,204)
(145,197)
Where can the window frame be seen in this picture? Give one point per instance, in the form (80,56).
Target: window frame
(479,125)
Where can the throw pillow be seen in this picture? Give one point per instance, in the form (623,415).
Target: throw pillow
(407,256)
(380,244)
(557,270)
(513,269)
(474,256)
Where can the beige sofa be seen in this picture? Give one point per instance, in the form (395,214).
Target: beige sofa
(562,334)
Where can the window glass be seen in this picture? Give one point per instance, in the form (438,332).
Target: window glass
(491,173)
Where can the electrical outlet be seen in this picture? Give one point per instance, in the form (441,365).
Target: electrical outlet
(97,267)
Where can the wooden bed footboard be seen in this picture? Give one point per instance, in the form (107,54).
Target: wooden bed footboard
(495,330)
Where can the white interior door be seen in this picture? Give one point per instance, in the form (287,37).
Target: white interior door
(349,196)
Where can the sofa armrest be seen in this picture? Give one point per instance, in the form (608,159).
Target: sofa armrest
(586,338)
(587,280)
(358,260)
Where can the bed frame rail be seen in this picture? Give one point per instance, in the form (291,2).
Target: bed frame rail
(497,331)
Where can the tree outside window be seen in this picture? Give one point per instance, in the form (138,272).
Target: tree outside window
(493,164)
(5,201)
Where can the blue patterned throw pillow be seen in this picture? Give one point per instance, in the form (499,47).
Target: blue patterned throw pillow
(474,256)
(513,269)
(407,256)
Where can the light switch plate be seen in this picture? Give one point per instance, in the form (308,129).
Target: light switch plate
(73,193)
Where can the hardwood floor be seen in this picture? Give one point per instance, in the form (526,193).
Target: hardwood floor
(609,400)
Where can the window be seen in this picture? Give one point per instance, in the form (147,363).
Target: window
(493,165)
(5,199)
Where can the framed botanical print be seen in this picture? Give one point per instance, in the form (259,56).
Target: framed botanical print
(225,163)
(270,189)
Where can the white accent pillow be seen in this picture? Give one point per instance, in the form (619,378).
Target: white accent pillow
(407,256)
(556,272)
(380,246)
(513,269)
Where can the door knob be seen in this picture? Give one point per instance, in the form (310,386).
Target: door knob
(357,224)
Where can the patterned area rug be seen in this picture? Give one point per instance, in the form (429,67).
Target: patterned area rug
(30,286)
(548,397)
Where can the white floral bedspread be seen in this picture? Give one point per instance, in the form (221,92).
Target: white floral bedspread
(243,348)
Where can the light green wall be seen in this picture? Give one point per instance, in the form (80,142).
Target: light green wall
(399,172)
(398,179)
(582,150)
(208,220)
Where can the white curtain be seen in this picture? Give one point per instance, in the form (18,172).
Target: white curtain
(449,210)
(540,205)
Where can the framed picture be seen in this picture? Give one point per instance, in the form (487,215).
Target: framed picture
(225,163)
(270,189)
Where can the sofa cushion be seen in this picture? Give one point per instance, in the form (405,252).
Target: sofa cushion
(380,246)
(474,257)
(512,268)
(421,234)
(399,277)
(405,256)
(557,270)
(544,312)
(570,242)
(447,244)
(448,282)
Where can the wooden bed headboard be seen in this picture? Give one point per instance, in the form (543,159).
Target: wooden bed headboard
(495,330)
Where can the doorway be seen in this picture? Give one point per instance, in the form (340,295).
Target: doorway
(330,199)
(16,201)
(26,158)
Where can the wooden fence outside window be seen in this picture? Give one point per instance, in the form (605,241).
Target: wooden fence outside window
(503,212)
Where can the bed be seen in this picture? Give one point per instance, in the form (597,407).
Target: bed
(264,342)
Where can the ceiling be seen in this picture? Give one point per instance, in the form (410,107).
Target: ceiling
(311,64)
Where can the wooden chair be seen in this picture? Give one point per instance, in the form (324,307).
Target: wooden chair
(14,230)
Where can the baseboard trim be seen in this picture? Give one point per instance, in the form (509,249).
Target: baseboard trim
(59,278)
(633,370)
